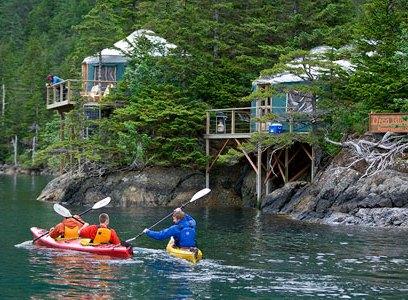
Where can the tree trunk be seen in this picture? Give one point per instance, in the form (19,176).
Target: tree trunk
(216,19)
(3,101)
(14,142)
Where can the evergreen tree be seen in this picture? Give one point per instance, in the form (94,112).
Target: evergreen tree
(99,29)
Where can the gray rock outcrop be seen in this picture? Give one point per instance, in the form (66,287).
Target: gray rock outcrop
(150,187)
(340,195)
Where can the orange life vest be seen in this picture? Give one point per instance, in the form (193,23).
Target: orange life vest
(102,236)
(71,232)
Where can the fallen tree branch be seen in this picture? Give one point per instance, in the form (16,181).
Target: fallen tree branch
(378,155)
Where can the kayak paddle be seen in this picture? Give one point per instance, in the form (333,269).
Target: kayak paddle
(196,196)
(61,210)
(97,205)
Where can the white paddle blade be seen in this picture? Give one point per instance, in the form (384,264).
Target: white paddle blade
(200,194)
(101,203)
(61,210)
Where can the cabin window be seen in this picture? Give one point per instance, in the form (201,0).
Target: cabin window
(300,102)
(108,74)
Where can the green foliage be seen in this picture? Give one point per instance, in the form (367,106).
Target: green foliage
(221,48)
(160,108)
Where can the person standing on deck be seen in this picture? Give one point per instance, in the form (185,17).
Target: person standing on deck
(53,79)
(183,231)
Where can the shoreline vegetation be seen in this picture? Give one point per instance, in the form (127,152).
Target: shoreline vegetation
(222,55)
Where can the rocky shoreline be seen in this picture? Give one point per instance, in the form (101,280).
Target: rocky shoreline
(151,187)
(11,170)
(340,195)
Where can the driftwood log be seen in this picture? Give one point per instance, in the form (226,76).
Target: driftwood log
(378,154)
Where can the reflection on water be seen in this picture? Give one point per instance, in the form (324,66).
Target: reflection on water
(246,254)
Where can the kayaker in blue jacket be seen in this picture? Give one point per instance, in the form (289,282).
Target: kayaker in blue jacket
(183,230)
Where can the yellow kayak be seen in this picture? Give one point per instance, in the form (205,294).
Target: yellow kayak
(191,255)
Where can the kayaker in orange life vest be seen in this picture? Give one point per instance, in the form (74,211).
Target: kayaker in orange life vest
(100,234)
(68,228)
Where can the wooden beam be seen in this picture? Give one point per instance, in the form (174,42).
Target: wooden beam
(207,127)
(300,173)
(69,90)
(54,90)
(259,177)
(278,159)
(294,155)
(307,152)
(232,121)
(313,168)
(286,165)
(247,156)
(218,154)
(282,173)
(222,136)
(267,180)
(207,167)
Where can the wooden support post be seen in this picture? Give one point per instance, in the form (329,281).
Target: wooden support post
(247,156)
(69,90)
(54,94)
(233,121)
(286,165)
(257,115)
(290,123)
(207,127)
(207,168)
(313,170)
(259,177)
(268,168)
(48,96)
(218,155)
(61,91)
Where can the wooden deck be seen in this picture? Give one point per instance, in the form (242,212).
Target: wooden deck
(241,123)
(235,125)
(230,123)
(63,96)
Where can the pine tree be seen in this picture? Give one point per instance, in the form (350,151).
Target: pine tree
(99,29)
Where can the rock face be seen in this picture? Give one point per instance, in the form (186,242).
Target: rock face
(150,187)
(341,196)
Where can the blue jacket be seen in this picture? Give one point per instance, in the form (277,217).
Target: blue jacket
(55,79)
(183,232)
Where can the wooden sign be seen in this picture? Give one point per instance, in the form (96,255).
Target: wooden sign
(393,122)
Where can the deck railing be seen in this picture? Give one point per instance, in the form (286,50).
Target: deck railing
(244,121)
(65,92)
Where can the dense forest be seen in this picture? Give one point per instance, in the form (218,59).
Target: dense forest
(222,46)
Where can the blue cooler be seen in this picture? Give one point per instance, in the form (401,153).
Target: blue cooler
(275,128)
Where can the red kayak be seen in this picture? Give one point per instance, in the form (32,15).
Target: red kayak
(103,249)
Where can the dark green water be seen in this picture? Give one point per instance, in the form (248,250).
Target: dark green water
(247,255)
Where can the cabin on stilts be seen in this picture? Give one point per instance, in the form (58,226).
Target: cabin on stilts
(232,127)
(235,126)
(91,90)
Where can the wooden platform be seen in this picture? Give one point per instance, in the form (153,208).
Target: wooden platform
(64,95)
